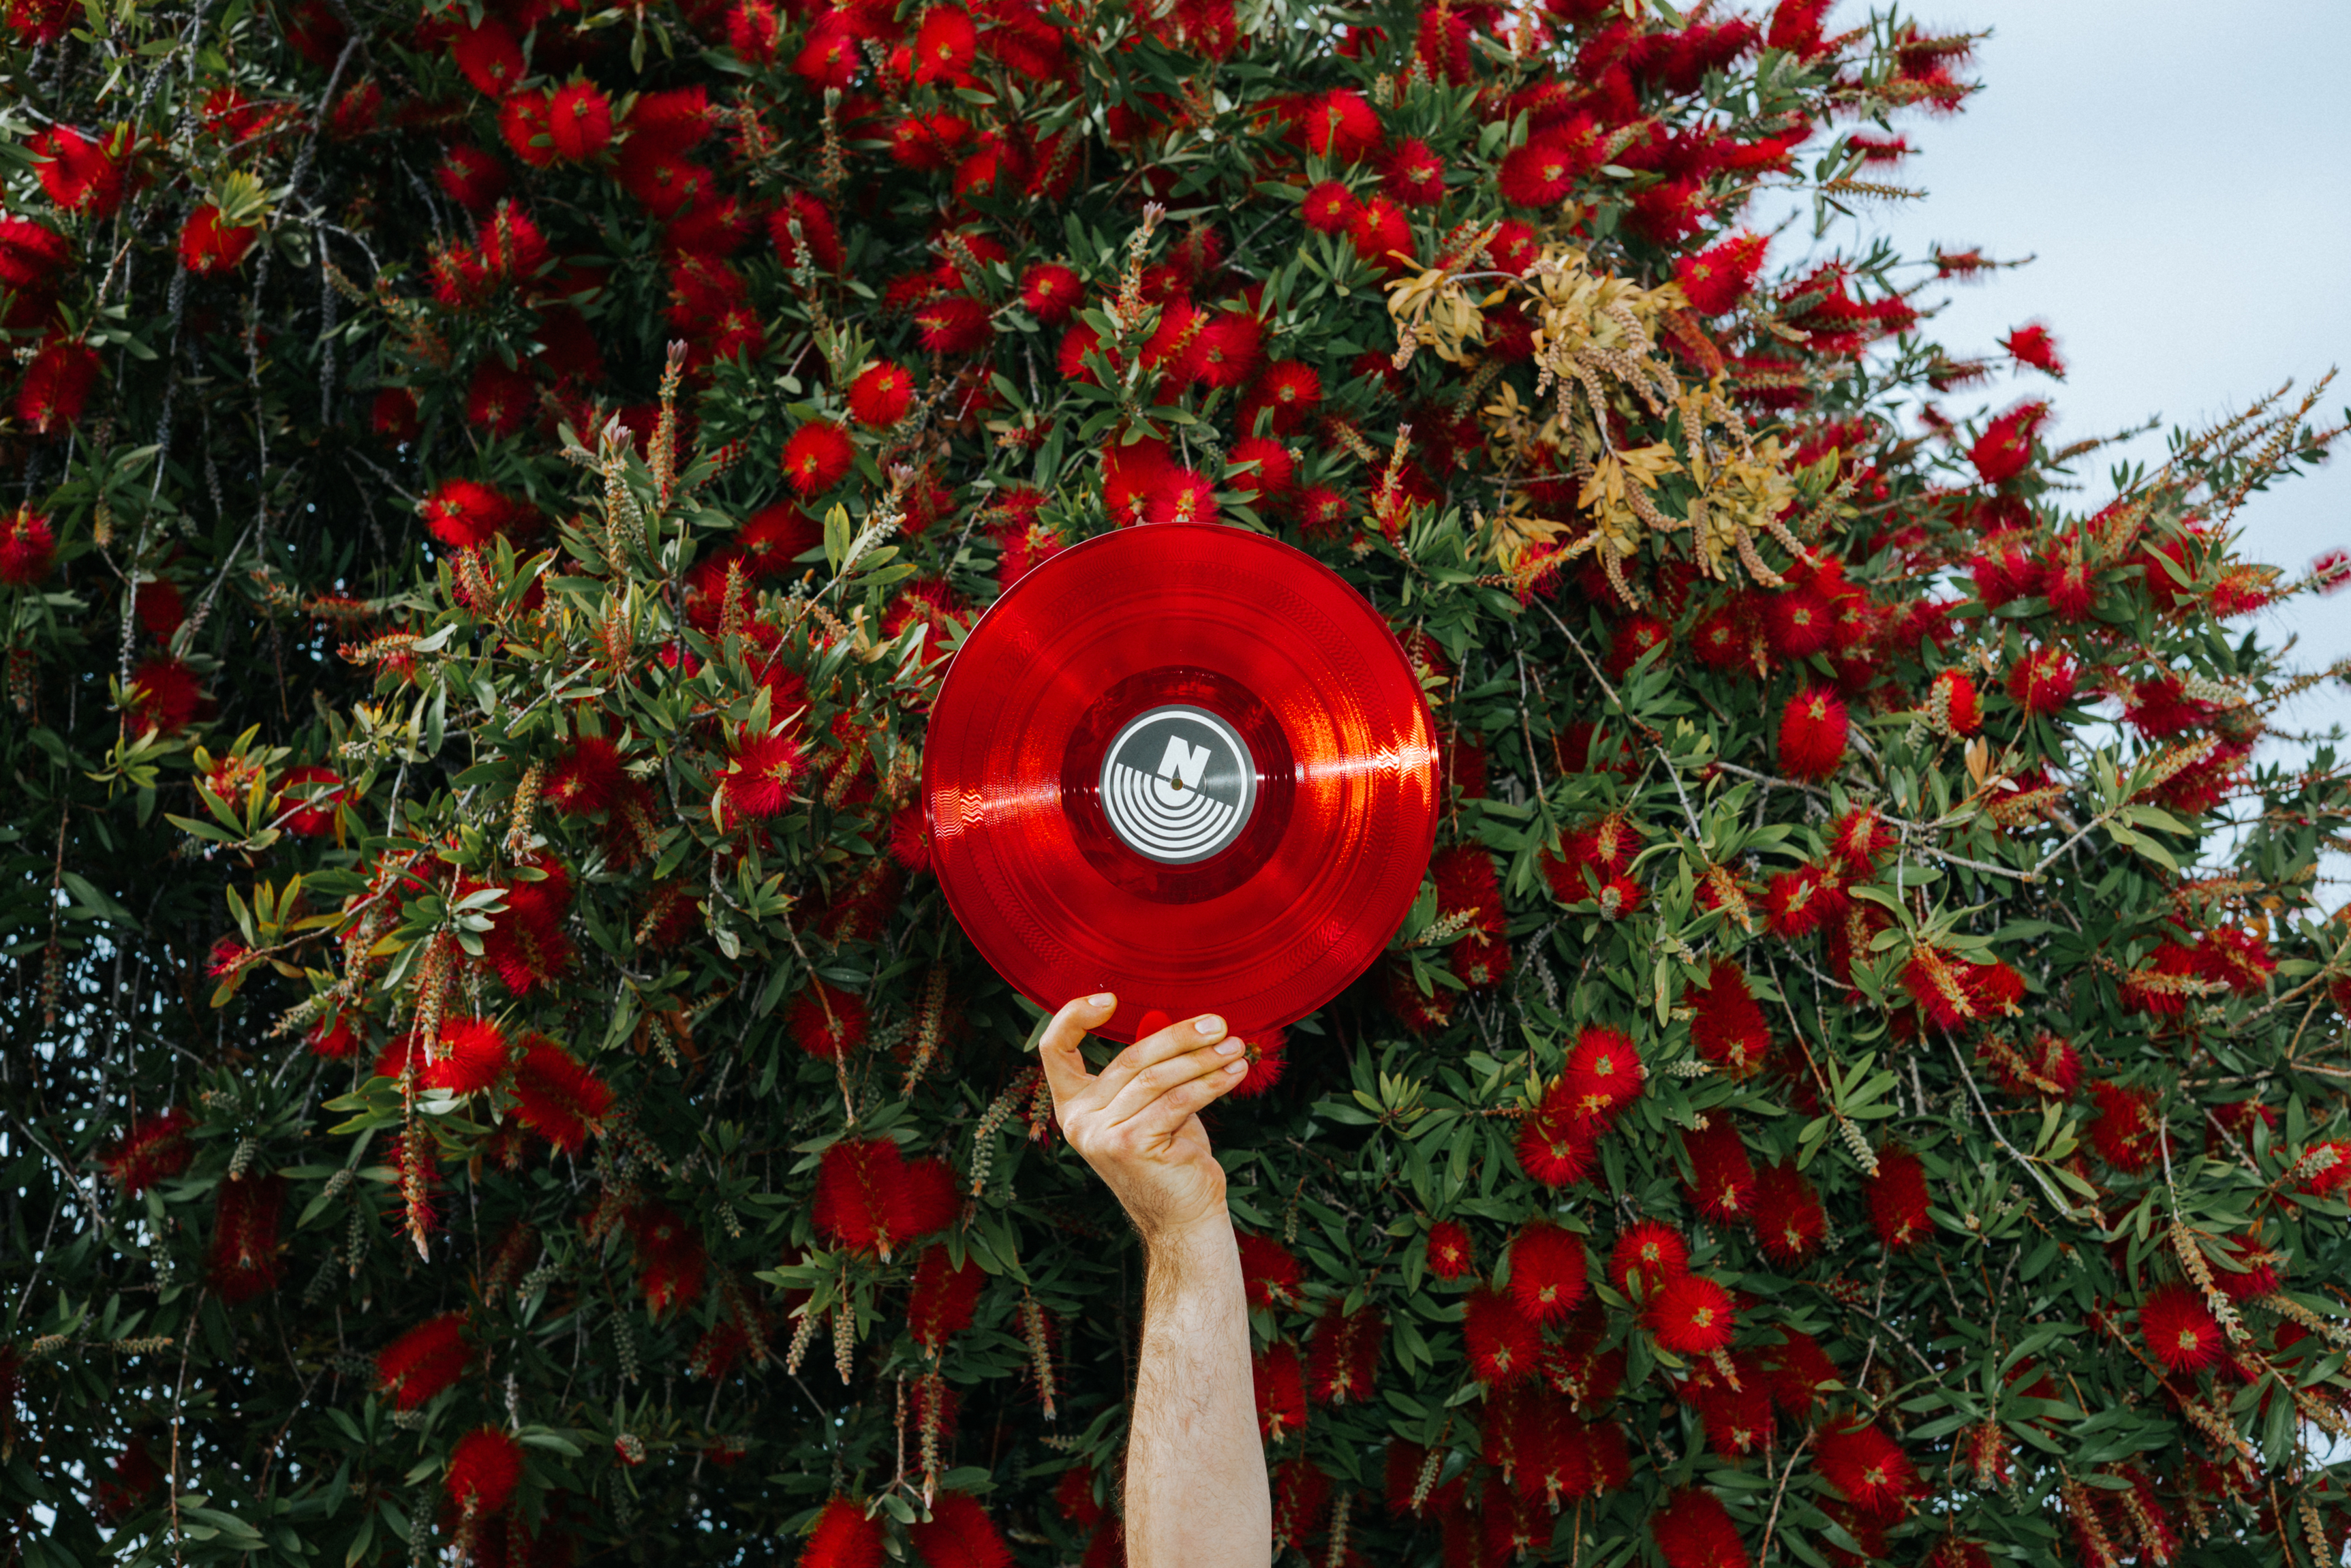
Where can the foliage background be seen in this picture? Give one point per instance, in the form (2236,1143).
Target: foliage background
(700,1122)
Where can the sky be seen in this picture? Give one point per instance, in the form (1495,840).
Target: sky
(2178,172)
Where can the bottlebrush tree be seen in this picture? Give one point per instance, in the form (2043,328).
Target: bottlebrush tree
(492,493)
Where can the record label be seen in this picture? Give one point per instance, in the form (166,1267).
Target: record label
(1177,785)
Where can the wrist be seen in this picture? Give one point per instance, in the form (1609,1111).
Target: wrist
(1187,1246)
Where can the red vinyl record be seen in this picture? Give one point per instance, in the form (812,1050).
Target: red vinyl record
(1187,764)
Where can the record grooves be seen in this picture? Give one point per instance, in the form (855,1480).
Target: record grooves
(1186,763)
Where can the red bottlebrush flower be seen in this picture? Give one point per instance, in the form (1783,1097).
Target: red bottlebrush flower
(423,1362)
(500,401)
(1879,150)
(1858,840)
(243,1261)
(1634,636)
(953,326)
(819,455)
(1300,1493)
(1693,1530)
(1230,347)
(394,414)
(1556,1145)
(2033,345)
(758,780)
(671,1259)
(1322,512)
(1268,1272)
(1952,706)
(1897,1199)
(1715,278)
(1503,1347)
(753,30)
(959,1533)
(1469,892)
(1722,1179)
(869,1197)
(483,1470)
(910,838)
(158,607)
(586,779)
(818,232)
(1690,1315)
(489,56)
(471,178)
(1291,391)
(1798,622)
(1341,125)
(1382,235)
(31,253)
(28,549)
(1329,208)
(80,173)
(2240,960)
(944,45)
(1450,1254)
(2043,681)
(1345,1355)
(1812,732)
(2179,1328)
(208,246)
(1645,1255)
(1951,992)
(827,1022)
(1274,475)
(929,142)
(57,386)
(844,1538)
(472,1057)
(557,1096)
(1868,1466)
(2126,1132)
(1541,173)
(1738,1420)
(1051,292)
(1797,1371)
(579,121)
(944,1299)
(164,694)
(881,395)
(1604,1073)
(1547,1268)
(523,126)
(2005,446)
(316,819)
(1263,1052)
(149,1150)
(1280,1388)
(2072,591)
(2330,571)
(1413,175)
(1514,248)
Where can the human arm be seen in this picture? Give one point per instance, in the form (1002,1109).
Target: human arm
(1196,1485)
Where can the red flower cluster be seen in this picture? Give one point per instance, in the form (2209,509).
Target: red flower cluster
(422,1362)
(151,1149)
(869,1198)
(243,1261)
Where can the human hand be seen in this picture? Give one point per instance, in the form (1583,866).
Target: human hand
(1137,1123)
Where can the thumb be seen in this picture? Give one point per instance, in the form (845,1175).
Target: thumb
(1057,1048)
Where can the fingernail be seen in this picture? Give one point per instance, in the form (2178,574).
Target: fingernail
(1235,1069)
(1101,1000)
(1212,1024)
(1228,1046)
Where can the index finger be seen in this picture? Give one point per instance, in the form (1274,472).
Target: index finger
(1057,1048)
